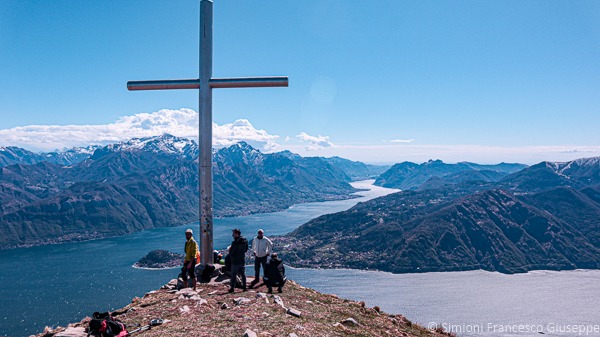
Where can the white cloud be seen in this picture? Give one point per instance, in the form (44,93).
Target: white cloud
(315,143)
(184,123)
(181,123)
(242,129)
(402,140)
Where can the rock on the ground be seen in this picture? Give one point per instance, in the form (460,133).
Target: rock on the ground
(72,332)
(349,322)
(241,301)
(294,312)
(279,301)
(249,333)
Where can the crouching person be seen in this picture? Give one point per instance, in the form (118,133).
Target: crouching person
(275,274)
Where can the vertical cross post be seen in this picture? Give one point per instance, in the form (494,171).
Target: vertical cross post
(205,83)
(205,136)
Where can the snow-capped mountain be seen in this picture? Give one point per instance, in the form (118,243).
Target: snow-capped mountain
(164,144)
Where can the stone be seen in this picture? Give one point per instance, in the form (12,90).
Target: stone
(224,306)
(171,285)
(263,296)
(294,312)
(187,291)
(241,301)
(292,335)
(72,332)
(279,301)
(185,309)
(249,333)
(189,297)
(349,322)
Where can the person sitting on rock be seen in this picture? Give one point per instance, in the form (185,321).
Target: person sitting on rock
(189,263)
(275,274)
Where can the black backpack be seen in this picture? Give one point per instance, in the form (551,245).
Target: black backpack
(207,273)
(105,325)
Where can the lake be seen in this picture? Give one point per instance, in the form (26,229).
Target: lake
(57,284)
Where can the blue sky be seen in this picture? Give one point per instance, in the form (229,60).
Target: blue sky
(376,81)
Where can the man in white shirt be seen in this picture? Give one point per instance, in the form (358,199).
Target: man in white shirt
(261,248)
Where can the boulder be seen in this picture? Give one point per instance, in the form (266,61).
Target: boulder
(249,333)
(349,322)
(72,332)
(241,301)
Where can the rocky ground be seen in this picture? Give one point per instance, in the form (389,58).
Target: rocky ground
(212,311)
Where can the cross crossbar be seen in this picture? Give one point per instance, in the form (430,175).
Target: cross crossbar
(236,82)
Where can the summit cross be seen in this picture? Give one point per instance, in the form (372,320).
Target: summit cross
(205,83)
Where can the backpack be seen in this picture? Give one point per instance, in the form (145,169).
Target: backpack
(105,325)
(207,273)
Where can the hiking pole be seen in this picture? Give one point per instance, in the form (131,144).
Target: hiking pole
(154,322)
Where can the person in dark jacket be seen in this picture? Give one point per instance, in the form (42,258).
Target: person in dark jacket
(275,274)
(237,252)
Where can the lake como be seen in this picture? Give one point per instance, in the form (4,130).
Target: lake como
(58,284)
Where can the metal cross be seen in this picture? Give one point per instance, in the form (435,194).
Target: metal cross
(205,83)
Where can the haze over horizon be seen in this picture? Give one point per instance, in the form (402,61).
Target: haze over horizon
(390,82)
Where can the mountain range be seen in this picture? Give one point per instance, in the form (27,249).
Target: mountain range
(546,216)
(411,176)
(146,183)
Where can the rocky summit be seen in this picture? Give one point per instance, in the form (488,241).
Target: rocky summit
(212,311)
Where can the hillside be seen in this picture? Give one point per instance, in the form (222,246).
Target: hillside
(411,176)
(211,311)
(550,223)
(357,170)
(152,182)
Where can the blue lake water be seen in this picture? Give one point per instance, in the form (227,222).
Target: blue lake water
(57,284)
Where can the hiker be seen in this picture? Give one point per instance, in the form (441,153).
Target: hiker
(237,252)
(189,263)
(275,274)
(261,248)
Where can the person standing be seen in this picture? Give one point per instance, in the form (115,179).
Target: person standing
(237,252)
(261,248)
(189,263)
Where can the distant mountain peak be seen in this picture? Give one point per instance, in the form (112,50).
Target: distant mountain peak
(239,152)
(289,154)
(165,143)
(592,161)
